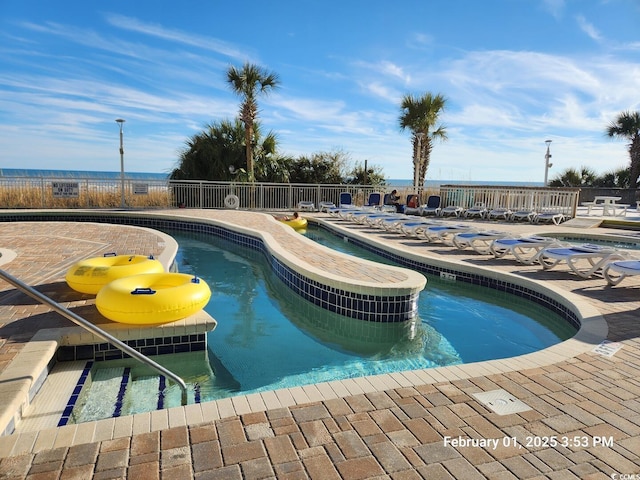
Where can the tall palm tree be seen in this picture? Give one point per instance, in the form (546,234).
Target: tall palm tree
(420,115)
(247,82)
(627,126)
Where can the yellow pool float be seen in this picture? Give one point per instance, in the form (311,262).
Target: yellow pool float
(296,223)
(153,298)
(91,274)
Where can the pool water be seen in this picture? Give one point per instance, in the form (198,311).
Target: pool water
(621,242)
(268,338)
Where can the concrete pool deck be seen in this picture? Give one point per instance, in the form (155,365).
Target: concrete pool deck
(392,426)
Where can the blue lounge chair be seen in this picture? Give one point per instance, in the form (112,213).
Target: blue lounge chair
(525,249)
(346,200)
(583,260)
(375,200)
(442,233)
(479,242)
(616,271)
(432,207)
(392,224)
(416,227)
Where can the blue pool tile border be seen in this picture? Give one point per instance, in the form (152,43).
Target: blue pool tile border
(372,308)
(193,342)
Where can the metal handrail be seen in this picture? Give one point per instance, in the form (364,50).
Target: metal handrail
(78,320)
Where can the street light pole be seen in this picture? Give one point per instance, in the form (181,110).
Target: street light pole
(120,122)
(547,165)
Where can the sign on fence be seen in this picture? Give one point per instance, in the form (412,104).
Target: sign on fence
(65,189)
(140,188)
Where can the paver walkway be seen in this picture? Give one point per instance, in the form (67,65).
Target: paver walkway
(584,422)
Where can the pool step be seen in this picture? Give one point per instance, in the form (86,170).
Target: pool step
(143,395)
(84,391)
(105,398)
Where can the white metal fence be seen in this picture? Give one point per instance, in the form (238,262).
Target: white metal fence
(40,192)
(43,192)
(263,196)
(538,199)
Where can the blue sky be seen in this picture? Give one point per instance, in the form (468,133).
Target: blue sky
(515,72)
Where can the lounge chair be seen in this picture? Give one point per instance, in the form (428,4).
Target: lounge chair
(451,210)
(413,205)
(374,220)
(479,209)
(443,233)
(346,200)
(522,215)
(547,217)
(479,242)
(360,216)
(616,271)
(375,200)
(386,206)
(326,206)
(344,212)
(415,228)
(525,249)
(432,207)
(394,224)
(594,256)
(306,206)
(499,213)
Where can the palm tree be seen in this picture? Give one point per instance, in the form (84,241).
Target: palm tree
(247,82)
(571,177)
(627,126)
(420,115)
(210,154)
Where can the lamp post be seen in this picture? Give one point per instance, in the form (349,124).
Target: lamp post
(547,164)
(120,122)
(416,162)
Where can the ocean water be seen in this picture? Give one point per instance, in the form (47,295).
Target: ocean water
(436,183)
(75,174)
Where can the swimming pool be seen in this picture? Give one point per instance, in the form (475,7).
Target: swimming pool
(268,338)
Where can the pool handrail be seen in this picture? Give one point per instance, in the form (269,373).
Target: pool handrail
(78,320)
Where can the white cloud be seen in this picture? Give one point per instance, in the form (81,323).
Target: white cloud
(178,36)
(554,7)
(588,28)
(384,92)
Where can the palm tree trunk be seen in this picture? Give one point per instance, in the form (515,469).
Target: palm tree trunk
(634,154)
(249,149)
(425,158)
(416,164)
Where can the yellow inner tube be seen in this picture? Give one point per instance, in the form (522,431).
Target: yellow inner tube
(91,274)
(296,223)
(153,298)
